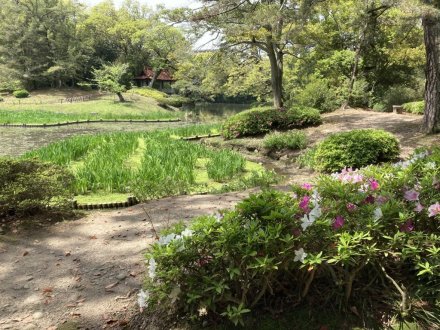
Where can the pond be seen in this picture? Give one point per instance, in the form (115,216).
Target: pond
(214,111)
(15,141)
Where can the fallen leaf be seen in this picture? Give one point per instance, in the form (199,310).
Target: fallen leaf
(81,301)
(67,253)
(354,310)
(123,323)
(133,274)
(110,286)
(93,237)
(25,253)
(47,290)
(71,305)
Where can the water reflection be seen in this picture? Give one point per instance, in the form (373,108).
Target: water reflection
(214,111)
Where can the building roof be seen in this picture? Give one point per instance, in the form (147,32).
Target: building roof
(148,73)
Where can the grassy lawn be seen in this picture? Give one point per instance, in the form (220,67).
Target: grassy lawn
(136,108)
(150,165)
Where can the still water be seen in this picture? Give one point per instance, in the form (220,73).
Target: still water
(15,141)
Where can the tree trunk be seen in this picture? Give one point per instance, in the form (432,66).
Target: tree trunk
(276,73)
(154,78)
(121,98)
(431,26)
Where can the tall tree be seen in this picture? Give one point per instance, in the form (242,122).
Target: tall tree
(111,78)
(268,25)
(431,25)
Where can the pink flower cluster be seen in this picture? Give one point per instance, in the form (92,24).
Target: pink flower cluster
(348,175)
(434,209)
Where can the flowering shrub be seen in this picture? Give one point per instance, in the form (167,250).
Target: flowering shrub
(264,119)
(353,237)
(356,149)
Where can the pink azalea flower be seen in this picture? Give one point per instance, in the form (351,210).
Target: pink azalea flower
(307,186)
(434,209)
(419,208)
(304,204)
(407,227)
(351,207)
(338,222)
(374,185)
(411,195)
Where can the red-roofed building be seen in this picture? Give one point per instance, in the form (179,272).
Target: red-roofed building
(163,81)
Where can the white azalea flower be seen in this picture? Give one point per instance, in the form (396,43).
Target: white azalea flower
(152,268)
(187,233)
(300,255)
(316,198)
(431,165)
(165,240)
(315,212)
(378,213)
(143,297)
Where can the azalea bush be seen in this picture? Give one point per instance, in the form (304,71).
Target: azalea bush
(356,148)
(21,93)
(353,238)
(265,119)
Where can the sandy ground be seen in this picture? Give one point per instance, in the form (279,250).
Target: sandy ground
(87,272)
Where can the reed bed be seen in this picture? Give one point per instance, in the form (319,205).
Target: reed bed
(148,164)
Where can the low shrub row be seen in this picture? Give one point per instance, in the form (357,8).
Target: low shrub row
(417,108)
(288,140)
(264,119)
(355,149)
(350,240)
(28,187)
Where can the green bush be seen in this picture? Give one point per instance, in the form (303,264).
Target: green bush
(417,108)
(352,240)
(21,94)
(289,140)
(1,99)
(264,119)
(355,149)
(28,187)
(320,95)
(161,97)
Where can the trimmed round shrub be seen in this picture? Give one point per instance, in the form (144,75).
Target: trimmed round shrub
(355,149)
(288,140)
(28,187)
(21,94)
(356,239)
(265,119)
(417,108)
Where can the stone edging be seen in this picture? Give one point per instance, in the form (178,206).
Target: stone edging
(115,205)
(78,122)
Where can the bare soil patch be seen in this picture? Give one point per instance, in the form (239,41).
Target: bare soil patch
(86,273)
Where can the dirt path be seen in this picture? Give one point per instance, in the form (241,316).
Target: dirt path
(87,272)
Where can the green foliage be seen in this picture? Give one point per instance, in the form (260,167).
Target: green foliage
(161,97)
(359,238)
(417,108)
(111,78)
(1,99)
(150,165)
(355,149)
(28,187)
(398,95)
(21,94)
(288,140)
(224,165)
(264,119)
(319,94)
